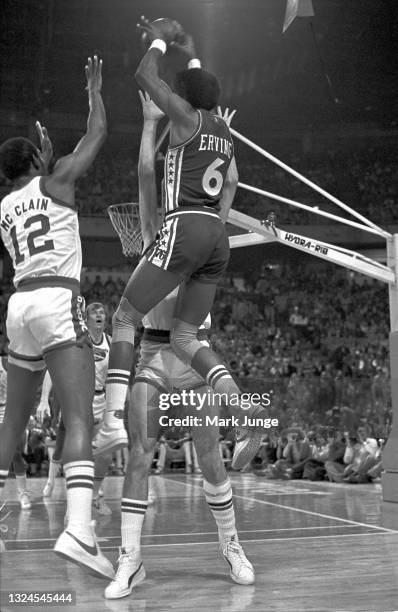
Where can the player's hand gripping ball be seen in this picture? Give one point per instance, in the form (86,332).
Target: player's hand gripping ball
(167,29)
(170,29)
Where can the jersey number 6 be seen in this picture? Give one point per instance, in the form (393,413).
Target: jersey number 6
(47,245)
(213,180)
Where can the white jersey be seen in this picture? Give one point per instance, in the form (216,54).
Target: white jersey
(40,233)
(162,315)
(101,358)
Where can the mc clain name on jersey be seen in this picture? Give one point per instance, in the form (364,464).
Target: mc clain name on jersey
(20,209)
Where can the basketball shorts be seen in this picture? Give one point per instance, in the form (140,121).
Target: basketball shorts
(192,243)
(159,366)
(42,320)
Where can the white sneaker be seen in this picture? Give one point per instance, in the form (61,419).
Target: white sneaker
(101,506)
(129,572)
(48,489)
(73,549)
(24,500)
(110,437)
(242,570)
(247,444)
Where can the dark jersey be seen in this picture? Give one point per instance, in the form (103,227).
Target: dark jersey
(195,170)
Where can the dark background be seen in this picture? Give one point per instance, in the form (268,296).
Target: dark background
(337,67)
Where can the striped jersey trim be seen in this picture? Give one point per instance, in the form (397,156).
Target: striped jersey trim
(173,166)
(186,142)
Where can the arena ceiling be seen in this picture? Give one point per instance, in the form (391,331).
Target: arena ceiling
(335,67)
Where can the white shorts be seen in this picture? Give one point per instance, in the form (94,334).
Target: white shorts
(159,366)
(2,412)
(42,320)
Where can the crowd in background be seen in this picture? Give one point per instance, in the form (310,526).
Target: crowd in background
(365,179)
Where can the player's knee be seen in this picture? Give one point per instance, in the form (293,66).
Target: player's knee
(184,341)
(125,322)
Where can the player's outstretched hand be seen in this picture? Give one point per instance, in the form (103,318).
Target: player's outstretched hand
(226,115)
(186,45)
(149,109)
(45,144)
(93,71)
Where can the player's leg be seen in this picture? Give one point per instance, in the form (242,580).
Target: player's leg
(101,465)
(218,491)
(19,466)
(22,385)
(143,424)
(55,456)
(147,286)
(72,373)
(194,303)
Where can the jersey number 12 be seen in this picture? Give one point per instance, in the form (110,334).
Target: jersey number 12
(34,249)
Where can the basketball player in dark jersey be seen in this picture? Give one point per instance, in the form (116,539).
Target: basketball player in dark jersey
(192,245)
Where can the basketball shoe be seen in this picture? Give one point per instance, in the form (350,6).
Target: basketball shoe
(112,434)
(70,547)
(129,572)
(242,570)
(247,444)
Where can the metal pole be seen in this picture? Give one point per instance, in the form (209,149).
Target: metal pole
(302,178)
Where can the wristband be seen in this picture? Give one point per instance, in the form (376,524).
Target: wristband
(160,44)
(194,63)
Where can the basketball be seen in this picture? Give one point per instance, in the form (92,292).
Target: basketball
(170,28)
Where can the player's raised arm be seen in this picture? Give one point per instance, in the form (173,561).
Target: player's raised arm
(70,167)
(146,170)
(174,106)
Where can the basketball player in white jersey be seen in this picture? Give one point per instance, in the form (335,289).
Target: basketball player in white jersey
(18,461)
(95,319)
(45,325)
(159,370)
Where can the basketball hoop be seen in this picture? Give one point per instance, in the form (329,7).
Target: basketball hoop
(125,219)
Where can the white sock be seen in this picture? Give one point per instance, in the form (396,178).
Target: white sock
(219,498)
(116,391)
(79,476)
(21,482)
(133,515)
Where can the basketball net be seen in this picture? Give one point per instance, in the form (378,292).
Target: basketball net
(125,219)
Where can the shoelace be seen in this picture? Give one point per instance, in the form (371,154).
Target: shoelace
(237,550)
(123,570)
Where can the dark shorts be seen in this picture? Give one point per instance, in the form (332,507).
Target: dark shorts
(192,243)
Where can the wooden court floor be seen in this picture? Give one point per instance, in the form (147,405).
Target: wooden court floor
(315,546)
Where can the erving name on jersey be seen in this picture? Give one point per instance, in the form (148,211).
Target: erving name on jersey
(209,142)
(19,209)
